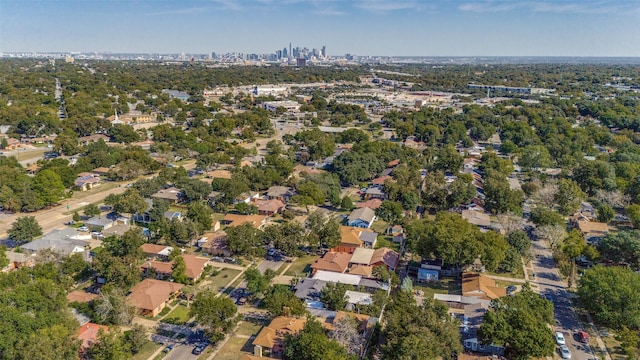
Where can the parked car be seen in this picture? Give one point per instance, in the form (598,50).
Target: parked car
(70,222)
(83,228)
(167,349)
(564,352)
(583,337)
(511,289)
(560,338)
(198,349)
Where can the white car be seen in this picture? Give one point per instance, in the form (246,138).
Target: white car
(564,352)
(83,228)
(560,338)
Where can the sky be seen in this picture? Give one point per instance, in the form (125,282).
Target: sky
(361,27)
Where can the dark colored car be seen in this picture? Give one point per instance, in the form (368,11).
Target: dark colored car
(168,348)
(511,289)
(198,349)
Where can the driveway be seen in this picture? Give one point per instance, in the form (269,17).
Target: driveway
(269,264)
(549,283)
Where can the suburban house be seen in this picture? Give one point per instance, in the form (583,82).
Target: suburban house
(17,260)
(85,140)
(257,221)
(101,171)
(271,338)
(88,334)
(362,218)
(64,247)
(370,285)
(81,296)
(374,193)
(282,193)
(481,286)
(173,195)
(379,181)
(378,257)
(246,197)
(352,238)
(309,289)
(478,218)
(371,203)
(214,244)
(269,207)
(100,223)
(591,229)
(194,267)
(219,174)
(332,261)
(156,251)
(86,182)
(150,296)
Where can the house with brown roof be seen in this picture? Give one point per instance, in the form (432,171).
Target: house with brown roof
(379,181)
(257,221)
(481,286)
(214,244)
(269,207)
(332,261)
(84,140)
(194,267)
(478,218)
(350,238)
(88,334)
(271,338)
(81,296)
(101,171)
(173,195)
(156,251)
(219,174)
(371,203)
(591,229)
(150,296)
(378,257)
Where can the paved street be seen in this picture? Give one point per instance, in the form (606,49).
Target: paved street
(549,282)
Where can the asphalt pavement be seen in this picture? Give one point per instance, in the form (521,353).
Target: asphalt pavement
(549,283)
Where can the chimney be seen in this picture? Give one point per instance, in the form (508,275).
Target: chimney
(257,350)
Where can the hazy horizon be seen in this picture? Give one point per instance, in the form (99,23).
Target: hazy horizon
(440,28)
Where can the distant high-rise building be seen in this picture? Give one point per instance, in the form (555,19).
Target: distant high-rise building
(290,53)
(301,62)
(213,55)
(324,51)
(285,53)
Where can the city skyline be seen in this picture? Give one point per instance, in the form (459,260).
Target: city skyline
(373,27)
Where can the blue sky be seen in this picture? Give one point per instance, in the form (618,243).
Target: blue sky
(363,27)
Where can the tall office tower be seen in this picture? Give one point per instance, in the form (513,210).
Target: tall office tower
(290,51)
(279,54)
(285,53)
(324,51)
(213,55)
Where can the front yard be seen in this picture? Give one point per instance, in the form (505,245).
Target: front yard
(301,265)
(178,316)
(220,280)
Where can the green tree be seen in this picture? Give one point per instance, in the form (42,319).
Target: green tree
(75,217)
(179,270)
(217,314)
(129,202)
(257,283)
(48,188)
(4,260)
(334,296)
(245,239)
(313,344)
(630,341)
(279,297)
(569,196)
(109,346)
(572,247)
(55,342)
(323,229)
(25,229)
(201,214)
(418,332)
(448,159)
(520,323)
(91,210)
(520,241)
(611,295)
(389,211)
(633,212)
(347,204)
(606,213)
(622,248)
(136,338)
(499,198)
(543,217)
(534,157)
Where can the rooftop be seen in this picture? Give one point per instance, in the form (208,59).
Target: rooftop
(149,294)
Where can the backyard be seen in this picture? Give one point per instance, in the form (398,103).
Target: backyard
(220,280)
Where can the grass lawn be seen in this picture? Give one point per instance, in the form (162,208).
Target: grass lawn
(444,286)
(379,226)
(517,274)
(301,265)
(613,346)
(249,328)
(386,241)
(231,350)
(146,351)
(221,280)
(178,316)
